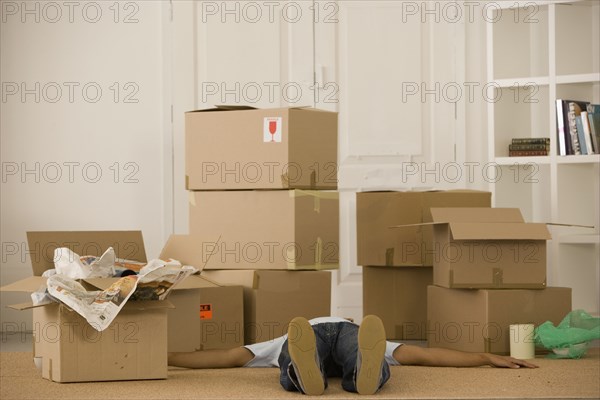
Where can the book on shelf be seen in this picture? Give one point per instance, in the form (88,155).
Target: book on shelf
(527,153)
(531,140)
(566,126)
(529,146)
(593,115)
(545,147)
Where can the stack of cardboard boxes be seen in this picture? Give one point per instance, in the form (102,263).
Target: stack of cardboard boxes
(445,267)
(397,263)
(264,182)
(490,273)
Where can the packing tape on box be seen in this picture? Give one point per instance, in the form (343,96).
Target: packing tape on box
(389,257)
(291,255)
(497,282)
(316,194)
(285,180)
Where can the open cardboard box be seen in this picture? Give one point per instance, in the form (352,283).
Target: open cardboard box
(376,211)
(240,147)
(134,346)
(479,248)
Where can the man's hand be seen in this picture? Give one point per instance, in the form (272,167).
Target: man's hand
(508,362)
(438,357)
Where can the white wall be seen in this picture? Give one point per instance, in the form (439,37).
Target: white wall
(80,159)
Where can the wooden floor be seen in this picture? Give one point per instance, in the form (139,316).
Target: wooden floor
(19,379)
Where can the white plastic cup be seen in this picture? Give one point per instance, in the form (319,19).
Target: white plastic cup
(522,345)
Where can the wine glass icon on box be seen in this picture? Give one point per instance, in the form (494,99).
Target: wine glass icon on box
(272,127)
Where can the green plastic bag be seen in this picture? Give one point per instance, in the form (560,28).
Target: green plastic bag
(571,337)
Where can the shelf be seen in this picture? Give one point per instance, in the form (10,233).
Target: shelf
(581,159)
(522,160)
(592,238)
(522,82)
(578,78)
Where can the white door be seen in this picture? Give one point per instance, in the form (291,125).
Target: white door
(236,53)
(358,58)
(389,66)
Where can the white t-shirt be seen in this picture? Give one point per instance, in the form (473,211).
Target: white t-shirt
(266,354)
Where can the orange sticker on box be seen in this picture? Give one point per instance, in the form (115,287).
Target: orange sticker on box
(205,311)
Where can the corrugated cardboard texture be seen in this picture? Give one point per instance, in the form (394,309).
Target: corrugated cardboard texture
(452,214)
(268,229)
(376,212)
(189,249)
(479,320)
(127,244)
(72,351)
(227,150)
(486,252)
(273,298)
(206,318)
(399,297)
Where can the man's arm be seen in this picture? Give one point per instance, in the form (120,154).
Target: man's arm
(438,357)
(230,358)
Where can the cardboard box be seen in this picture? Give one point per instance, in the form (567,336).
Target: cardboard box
(245,148)
(73,351)
(479,320)
(268,229)
(399,297)
(273,298)
(207,316)
(488,248)
(378,245)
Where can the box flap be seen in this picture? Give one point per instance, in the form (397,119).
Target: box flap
(30,284)
(499,231)
(127,244)
(476,214)
(246,278)
(195,282)
(223,107)
(192,250)
(23,306)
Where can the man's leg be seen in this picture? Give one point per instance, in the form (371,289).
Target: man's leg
(360,352)
(372,370)
(299,360)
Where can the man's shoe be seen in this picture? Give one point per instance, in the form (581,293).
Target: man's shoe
(302,347)
(371,353)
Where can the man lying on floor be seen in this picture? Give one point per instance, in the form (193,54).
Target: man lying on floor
(326,347)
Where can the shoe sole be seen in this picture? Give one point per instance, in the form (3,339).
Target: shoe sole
(371,346)
(302,347)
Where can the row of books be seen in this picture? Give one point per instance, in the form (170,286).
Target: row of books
(578,127)
(525,147)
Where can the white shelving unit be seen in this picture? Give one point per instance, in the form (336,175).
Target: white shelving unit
(538,52)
